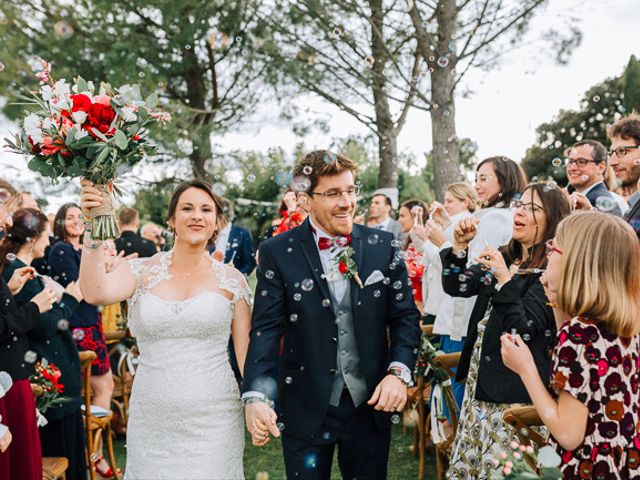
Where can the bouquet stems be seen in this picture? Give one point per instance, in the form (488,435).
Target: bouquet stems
(103,218)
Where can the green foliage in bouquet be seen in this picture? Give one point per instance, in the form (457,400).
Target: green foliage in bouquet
(73,132)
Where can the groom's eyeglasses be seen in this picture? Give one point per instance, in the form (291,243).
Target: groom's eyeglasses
(336,194)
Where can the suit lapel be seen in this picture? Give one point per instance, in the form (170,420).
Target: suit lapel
(311,255)
(356,245)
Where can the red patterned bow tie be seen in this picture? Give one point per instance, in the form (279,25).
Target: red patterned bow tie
(324,242)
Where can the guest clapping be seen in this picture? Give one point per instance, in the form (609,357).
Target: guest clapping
(593,280)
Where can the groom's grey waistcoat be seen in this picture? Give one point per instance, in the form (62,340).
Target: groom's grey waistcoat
(349,372)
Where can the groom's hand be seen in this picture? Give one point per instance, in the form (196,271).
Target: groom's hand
(390,395)
(261,421)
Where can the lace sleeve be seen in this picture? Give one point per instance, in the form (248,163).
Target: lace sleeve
(236,283)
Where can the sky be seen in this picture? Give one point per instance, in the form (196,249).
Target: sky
(507,103)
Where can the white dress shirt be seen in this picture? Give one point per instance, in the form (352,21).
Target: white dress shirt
(337,282)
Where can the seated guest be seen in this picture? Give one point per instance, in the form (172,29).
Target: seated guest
(594,409)
(380,215)
(130,242)
(586,166)
(510,299)
(63,435)
(234,244)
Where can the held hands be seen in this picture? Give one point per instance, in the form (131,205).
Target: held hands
(516,354)
(261,421)
(390,395)
(492,259)
(440,215)
(19,278)
(45,299)
(464,232)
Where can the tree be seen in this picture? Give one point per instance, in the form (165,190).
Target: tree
(600,107)
(357,56)
(455,36)
(196,53)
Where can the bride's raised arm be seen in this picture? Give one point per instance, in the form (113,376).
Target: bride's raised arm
(99,287)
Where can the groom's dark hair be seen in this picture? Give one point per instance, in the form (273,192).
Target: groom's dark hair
(323,163)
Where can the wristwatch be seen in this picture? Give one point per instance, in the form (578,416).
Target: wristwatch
(403,375)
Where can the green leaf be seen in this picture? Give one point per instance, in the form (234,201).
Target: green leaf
(121,140)
(82,85)
(71,136)
(151,101)
(142,113)
(102,155)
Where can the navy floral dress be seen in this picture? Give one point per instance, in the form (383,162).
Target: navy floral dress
(600,370)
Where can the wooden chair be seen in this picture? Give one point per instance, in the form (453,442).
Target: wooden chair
(523,419)
(53,468)
(123,384)
(446,361)
(95,424)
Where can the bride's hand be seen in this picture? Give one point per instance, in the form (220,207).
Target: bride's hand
(261,421)
(89,197)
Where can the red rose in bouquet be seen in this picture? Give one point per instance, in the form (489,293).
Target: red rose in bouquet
(81,103)
(100,118)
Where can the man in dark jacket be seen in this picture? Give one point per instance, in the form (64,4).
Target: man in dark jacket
(130,242)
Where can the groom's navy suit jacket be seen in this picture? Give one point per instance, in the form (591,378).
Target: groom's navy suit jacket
(386,323)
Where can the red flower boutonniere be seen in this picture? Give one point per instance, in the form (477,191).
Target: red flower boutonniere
(347,265)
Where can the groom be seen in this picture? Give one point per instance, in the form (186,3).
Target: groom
(339,297)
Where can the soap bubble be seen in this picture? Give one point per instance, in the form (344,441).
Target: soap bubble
(307,285)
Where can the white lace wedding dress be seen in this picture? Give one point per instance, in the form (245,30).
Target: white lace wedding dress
(186,417)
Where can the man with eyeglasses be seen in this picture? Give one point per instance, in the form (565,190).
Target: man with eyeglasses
(624,157)
(586,164)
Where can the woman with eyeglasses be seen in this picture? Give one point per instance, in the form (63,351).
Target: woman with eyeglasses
(510,298)
(592,412)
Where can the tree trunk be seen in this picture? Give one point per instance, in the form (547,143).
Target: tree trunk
(385,128)
(446,149)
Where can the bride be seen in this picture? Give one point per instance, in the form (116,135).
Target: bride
(186,415)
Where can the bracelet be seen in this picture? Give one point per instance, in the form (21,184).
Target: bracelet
(551,304)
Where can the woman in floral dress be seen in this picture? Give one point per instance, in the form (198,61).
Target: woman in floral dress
(593,280)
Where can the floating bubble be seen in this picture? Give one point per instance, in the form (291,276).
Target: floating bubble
(443,61)
(63,324)
(584,178)
(300,183)
(548,333)
(293,317)
(526,337)
(337,31)
(297,297)
(463,288)
(289,250)
(370,61)
(269,274)
(341,241)
(399,296)
(280,426)
(556,162)
(78,334)
(307,285)
(30,356)
(396,243)
(251,178)
(606,204)
(219,189)
(376,293)
(326,302)
(386,280)
(283,179)
(326,435)
(596,98)
(395,419)
(11,257)
(307,170)
(636,162)
(288,380)
(329,157)
(63,30)
(263,293)
(397,285)
(462,277)
(461,254)
(311,461)
(373,239)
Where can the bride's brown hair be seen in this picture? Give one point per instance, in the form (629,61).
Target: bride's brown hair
(205,187)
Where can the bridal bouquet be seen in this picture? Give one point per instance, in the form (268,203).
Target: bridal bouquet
(513,465)
(73,130)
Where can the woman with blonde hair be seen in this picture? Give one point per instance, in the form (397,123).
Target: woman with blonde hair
(592,282)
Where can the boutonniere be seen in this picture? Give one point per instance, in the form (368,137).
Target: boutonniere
(347,265)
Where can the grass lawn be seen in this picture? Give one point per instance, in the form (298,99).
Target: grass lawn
(402,464)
